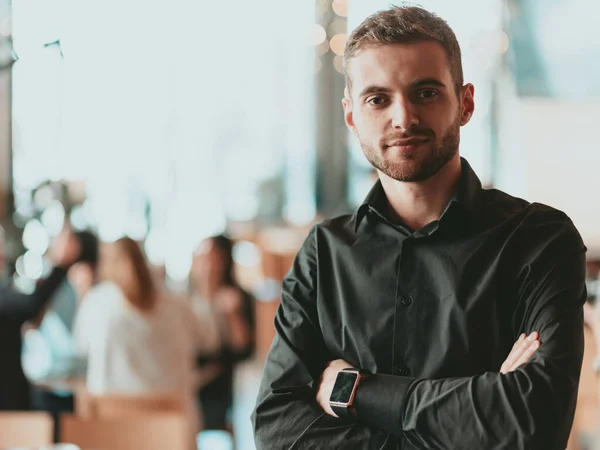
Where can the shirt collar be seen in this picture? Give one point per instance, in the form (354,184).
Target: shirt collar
(467,195)
(375,199)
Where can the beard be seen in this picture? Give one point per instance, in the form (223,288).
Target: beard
(420,164)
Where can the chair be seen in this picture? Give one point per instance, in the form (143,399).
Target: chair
(148,432)
(111,405)
(25,429)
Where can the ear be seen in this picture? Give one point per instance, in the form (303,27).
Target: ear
(467,103)
(348,113)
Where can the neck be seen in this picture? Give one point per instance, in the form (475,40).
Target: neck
(420,203)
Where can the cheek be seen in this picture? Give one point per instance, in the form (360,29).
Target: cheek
(370,125)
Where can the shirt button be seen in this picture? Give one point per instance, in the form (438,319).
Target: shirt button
(403,371)
(406,301)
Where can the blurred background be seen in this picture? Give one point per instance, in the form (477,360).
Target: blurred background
(170,122)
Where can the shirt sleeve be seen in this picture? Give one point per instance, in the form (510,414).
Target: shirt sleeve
(530,408)
(23,307)
(287,415)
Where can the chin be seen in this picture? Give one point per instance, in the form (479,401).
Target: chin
(408,171)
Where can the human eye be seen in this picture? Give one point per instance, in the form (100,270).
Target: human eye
(427,94)
(376,100)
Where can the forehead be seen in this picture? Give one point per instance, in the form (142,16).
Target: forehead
(398,65)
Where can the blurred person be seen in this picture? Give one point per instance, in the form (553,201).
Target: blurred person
(80,276)
(395,321)
(83,275)
(16,308)
(216,293)
(137,341)
(54,391)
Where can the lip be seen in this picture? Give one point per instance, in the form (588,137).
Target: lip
(407,145)
(412,142)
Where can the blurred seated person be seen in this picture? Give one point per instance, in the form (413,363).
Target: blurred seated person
(136,340)
(216,292)
(16,308)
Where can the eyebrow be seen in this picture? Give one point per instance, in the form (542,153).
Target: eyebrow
(429,82)
(372,89)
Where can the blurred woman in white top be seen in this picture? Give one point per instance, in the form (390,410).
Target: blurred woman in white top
(136,341)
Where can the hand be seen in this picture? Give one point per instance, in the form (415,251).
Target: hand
(65,249)
(523,349)
(327,382)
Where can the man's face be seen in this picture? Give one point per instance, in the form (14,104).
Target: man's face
(404,109)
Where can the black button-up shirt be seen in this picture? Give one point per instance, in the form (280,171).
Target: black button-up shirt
(432,313)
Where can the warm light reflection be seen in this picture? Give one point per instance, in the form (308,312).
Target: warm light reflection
(340,7)
(337,43)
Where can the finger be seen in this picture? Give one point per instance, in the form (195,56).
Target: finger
(520,346)
(526,355)
(504,368)
(518,341)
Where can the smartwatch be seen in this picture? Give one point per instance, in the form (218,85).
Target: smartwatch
(344,391)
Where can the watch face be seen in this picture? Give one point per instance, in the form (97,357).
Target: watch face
(342,390)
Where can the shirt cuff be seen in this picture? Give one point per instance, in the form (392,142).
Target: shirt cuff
(380,399)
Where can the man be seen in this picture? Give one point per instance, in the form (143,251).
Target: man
(426,287)
(16,309)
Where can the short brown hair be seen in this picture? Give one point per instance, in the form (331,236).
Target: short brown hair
(405,25)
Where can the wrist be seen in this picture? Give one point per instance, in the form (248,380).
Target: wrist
(344,392)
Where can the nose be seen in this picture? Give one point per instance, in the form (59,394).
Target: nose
(404,115)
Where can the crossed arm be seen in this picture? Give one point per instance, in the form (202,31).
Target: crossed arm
(521,352)
(524,405)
